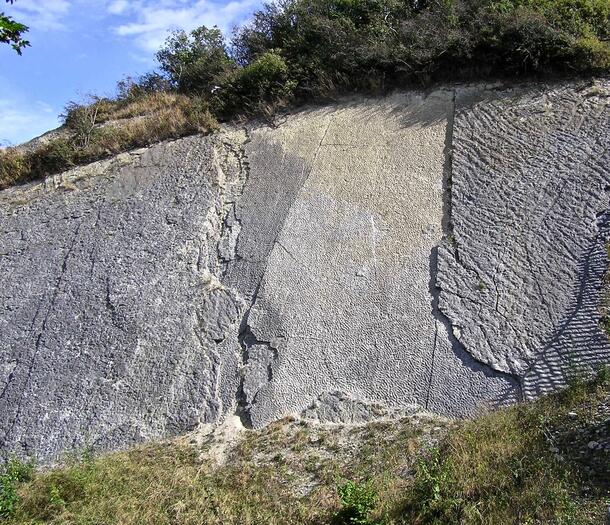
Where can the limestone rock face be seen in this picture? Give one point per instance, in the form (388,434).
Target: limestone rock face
(348,300)
(111,304)
(441,252)
(522,270)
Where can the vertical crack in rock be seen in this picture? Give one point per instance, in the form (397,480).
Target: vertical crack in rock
(449,244)
(258,356)
(219,251)
(447,233)
(233,173)
(43,328)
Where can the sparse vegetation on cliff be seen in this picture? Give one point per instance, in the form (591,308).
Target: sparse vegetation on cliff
(544,462)
(105,127)
(301,50)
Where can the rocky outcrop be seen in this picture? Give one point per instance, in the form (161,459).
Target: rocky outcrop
(440,251)
(522,269)
(113,314)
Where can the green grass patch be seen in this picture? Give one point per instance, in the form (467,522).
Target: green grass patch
(529,463)
(525,464)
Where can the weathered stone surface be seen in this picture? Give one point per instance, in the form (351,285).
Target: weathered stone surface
(337,407)
(301,269)
(347,301)
(522,273)
(109,310)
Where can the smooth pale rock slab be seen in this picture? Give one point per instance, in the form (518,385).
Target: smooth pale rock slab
(347,299)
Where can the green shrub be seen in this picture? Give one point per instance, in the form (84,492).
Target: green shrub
(197,61)
(52,157)
(358,502)
(13,472)
(337,45)
(131,89)
(592,53)
(258,87)
(13,166)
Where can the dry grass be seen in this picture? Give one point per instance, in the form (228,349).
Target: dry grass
(526,464)
(521,465)
(286,474)
(105,128)
(107,109)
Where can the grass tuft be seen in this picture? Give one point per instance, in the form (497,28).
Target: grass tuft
(527,464)
(104,128)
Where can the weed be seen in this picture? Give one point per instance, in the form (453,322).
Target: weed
(12,473)
(358,502)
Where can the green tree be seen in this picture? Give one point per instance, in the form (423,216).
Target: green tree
(195,62)
(11,32)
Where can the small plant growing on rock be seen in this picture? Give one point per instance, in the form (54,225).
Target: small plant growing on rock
(358,502)
(12,473)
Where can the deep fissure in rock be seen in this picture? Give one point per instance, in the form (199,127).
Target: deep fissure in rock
(449,242)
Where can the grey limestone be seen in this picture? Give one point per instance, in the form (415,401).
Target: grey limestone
(522,270)
(440,251)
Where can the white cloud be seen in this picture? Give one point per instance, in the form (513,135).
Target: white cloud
(20,121)
(151,21)
(118,7)
(44,16)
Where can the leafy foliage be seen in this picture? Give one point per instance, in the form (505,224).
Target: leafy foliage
(358,502)
(300,50)
(303,49)
(12,473)
(259,87)
(195,62)
(11,32)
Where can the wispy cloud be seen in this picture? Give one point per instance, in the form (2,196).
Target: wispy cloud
(149,22)
(118,7)
(45,16)
(21,121)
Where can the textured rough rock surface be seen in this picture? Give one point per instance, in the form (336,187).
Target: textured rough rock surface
(522,272)
(348,301)
(112,313)
(323,266)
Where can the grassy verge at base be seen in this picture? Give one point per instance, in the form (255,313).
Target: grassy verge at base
(544,462)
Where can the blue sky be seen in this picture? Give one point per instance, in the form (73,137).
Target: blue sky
(81,47)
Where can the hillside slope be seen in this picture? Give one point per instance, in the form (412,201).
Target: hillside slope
(441,251)
(544,462)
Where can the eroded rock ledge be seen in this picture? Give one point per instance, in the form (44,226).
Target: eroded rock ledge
(324,266)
